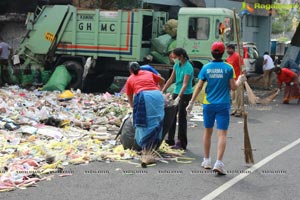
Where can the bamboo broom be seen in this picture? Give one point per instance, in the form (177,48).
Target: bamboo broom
(247,144)
(253,99)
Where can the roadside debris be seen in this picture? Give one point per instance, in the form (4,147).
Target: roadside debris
(40,134)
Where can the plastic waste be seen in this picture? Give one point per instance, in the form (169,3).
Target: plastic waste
(66,95)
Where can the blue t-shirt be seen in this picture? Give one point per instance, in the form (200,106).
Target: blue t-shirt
(149,68)
(180,72)
(217,74)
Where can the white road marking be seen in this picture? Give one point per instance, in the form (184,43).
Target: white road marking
(249,171)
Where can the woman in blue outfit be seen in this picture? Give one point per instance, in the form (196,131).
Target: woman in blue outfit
(147,101)
(220,78)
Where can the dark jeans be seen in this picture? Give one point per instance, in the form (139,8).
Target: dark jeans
(182,121)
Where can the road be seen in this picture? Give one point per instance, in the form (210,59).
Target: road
(273,129)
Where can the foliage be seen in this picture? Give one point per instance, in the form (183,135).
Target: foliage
(282,21)
(282,39)
(277,27)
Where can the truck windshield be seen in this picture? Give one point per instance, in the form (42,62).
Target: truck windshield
(199,28)
(228,30)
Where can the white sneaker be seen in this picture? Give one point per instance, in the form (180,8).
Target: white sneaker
(206,163)
(219,168)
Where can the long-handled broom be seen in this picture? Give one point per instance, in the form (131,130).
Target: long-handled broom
(253,99)
(247,144)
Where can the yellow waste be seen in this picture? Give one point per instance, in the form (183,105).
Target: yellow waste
(67,94)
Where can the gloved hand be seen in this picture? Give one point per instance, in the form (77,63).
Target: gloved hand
(292,83)
(176,101)
(241,79)
(189,108)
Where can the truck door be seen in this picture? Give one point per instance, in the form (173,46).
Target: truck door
(45,29)
(198,34)
(195,34)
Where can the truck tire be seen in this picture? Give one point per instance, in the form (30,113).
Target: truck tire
(104,81)
(165,74)
(94,83)
(76,71)
(259,65)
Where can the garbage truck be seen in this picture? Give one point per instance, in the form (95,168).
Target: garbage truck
(66,35)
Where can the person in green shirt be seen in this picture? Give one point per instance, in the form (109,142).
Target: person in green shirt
(183,74)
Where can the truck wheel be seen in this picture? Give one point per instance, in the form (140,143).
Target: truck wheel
(97,83)
(165,74)
(259,65)
(76,71)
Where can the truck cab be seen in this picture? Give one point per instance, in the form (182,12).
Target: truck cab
(198,28)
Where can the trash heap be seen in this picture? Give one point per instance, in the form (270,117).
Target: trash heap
(41,133)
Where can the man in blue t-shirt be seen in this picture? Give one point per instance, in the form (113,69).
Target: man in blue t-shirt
(149,68)
(219,76)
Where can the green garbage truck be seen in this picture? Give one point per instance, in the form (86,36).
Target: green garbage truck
(66,35)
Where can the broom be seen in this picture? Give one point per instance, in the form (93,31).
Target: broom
(253,99)
(247,144)
(149,156)
(269,99)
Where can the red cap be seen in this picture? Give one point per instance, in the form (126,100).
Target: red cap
(218,46)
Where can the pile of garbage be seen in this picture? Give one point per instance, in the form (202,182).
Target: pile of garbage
(42,132)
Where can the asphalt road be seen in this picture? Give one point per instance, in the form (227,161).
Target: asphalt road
(274,176)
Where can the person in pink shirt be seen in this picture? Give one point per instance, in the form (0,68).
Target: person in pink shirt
(147,101)
(292,89)
(236,61)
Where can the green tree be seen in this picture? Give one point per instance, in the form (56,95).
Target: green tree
(277,27)
(297,12)
(282,21)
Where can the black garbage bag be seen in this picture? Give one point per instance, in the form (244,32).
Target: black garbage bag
(127,131)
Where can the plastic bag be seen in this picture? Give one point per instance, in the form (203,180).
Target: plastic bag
(46,76)
(59,80)
(171,27)
(172,46)
(161,43)
(127,133)
(160,58)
